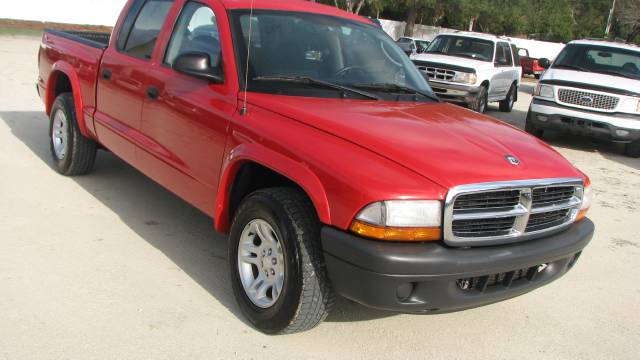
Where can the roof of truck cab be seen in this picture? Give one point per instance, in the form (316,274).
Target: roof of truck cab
(293,5)
(612,44)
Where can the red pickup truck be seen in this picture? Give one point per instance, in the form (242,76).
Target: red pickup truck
(530,66)
(318,147)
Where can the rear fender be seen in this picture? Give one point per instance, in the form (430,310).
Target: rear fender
(59,68)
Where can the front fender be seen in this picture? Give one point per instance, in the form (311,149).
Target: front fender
(63,67)
(295,171)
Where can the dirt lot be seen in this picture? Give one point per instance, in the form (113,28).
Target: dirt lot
(112,266)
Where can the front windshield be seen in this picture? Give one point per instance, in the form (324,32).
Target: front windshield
(600,59)
(319,47)
(462,46)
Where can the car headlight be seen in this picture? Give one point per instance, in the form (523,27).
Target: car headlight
(465,78)
(630,105)
(400,220)
(544,91)
(587,198)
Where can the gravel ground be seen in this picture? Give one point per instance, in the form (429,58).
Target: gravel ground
(112,266)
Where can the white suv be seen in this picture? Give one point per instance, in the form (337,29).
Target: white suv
(592,89)
(473,69)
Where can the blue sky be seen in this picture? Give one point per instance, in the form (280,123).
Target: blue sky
(93,12)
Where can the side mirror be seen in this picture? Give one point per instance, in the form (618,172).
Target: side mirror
(198,64)
(544,63)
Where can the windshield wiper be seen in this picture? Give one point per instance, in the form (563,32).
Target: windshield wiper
(391,87)
(615,73)
(573,67)
(315,82)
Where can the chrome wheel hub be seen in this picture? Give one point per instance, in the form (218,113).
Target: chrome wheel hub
(59,134)
(261,263)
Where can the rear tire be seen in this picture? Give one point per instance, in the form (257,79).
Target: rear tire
(304,296)
(506,105)
(633,149)
(73,153)
(537,76)
(480,103)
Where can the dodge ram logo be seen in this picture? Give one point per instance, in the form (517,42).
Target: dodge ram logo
(586,100)
(512,160)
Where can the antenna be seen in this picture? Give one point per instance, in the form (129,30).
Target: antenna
(243,111)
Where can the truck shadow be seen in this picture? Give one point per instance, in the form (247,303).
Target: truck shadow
(184,234)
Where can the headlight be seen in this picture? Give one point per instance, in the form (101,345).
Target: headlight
(400,220)
(587,198)
(630,105)
(465,78)
(544,91)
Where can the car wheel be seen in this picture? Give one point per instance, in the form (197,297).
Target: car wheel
(633,149)
(532,129)
(277,268)
(506,105)
(537,76)
(72,152)
(481,100)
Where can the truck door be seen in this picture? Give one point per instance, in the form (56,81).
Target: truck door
(507,72)
(186,122)
(122,77)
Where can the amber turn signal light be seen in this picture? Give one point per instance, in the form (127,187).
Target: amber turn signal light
(396,233)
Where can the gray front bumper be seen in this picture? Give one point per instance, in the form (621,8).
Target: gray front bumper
(455,92)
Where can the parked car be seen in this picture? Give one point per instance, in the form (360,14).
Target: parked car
(332,167)
(412,46)
(592,89)
(472,69)
(530,66)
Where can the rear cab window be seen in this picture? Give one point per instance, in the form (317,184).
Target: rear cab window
(138,38)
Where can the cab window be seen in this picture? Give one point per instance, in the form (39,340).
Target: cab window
(196,31)
(144,33)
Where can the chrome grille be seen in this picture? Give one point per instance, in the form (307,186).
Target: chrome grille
(491,213)
(435,73)
(587,99)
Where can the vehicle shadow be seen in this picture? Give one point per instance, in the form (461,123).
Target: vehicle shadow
(184,234)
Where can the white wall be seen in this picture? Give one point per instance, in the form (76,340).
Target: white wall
(90,12)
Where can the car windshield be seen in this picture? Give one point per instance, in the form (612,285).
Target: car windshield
(308,54)
(600,59)
(462,46)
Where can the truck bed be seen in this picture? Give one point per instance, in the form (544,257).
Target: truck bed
(95,39)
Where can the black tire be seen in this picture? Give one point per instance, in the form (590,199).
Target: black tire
(633,149)
(537,76)
(481,101)
(80,153)
(307,296)
(506,105)
(532,129)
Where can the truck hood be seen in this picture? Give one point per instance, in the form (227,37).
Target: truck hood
(453,60)
(604,80)
(444,143)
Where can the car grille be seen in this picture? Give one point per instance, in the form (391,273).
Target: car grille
(587,99)
(484,214)
(435,73)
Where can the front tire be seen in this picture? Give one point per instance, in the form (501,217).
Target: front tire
(73,153)
(480,103)
(277,268)
(532,129)
(633,149)
(506,105)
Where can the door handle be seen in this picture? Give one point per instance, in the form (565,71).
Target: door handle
(153,93)
(106,74)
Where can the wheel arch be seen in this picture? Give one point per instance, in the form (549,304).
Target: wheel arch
(63,78)
(251,167)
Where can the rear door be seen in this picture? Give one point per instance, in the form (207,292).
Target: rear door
(186,124)
(122,77)
(505,70)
